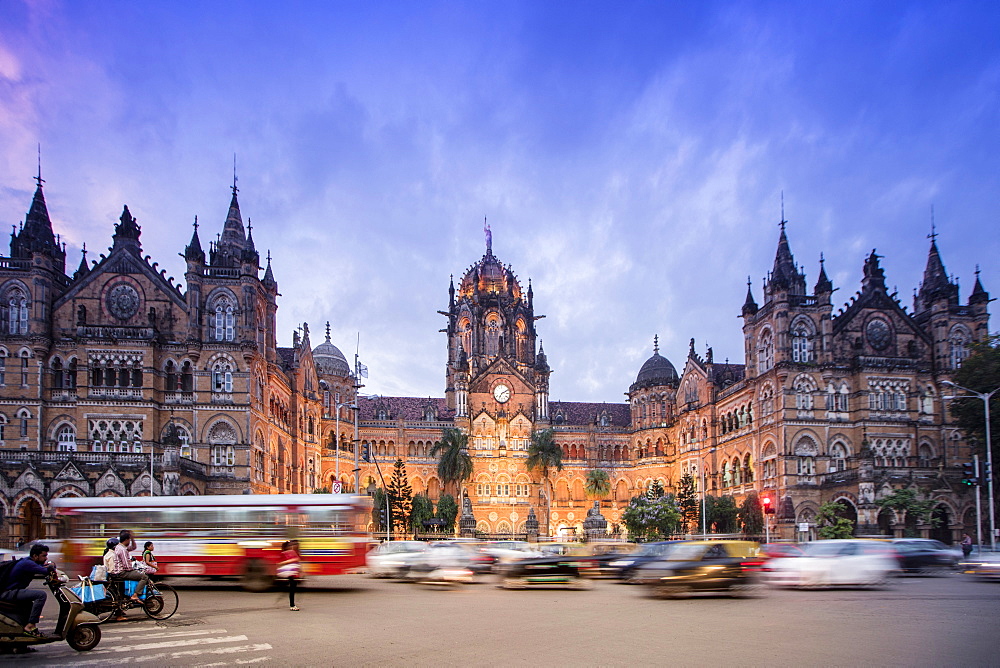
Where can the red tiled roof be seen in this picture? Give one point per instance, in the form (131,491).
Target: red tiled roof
(408,408)
(581,413)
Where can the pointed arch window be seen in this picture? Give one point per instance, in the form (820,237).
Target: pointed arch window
(222,377)
(16,312)
(765,352)
(24,368)
(801,345)
(66,439)
(225,320)
(958,343)
(493,335)
(57,374)
(3,367)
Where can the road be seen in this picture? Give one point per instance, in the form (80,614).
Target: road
(356,621)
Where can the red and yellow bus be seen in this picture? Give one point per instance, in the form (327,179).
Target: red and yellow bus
(222,536)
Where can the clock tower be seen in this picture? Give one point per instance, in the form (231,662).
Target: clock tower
(497,382)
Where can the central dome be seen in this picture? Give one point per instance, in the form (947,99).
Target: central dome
(330,360)
(655,371)
(489,275)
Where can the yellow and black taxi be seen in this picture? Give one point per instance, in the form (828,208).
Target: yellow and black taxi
(729,566)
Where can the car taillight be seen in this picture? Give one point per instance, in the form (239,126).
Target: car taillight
(754,565)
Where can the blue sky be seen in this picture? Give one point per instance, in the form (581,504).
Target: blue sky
(630,157)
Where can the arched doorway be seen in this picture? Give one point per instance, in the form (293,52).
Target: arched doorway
(848,512)
(31,520)
(886,518)
(941,519)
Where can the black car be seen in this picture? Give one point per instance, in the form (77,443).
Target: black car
(923,555)
(624,567)
(558,571)
(727,566)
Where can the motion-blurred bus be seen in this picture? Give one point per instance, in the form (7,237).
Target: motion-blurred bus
(222,536)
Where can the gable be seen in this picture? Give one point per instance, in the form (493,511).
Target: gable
(123,263)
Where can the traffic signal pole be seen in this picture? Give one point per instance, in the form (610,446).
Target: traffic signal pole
(979,509)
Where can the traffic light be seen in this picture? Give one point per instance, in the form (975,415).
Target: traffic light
(365,453)
(382,517)
(970,476)
(768,504)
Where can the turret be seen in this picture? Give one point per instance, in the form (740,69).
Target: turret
(785,276)
(749,305)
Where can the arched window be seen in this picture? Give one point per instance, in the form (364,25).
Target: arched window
(24,368)
(958,342)
(492,335)
(57,374)
(23,416)
(225,320)
(3,367)
(747,469)
(16,312)
(765,352)
(222,377)
(66,439)
(838,457)
(187,378)
(801,345)
(804,387)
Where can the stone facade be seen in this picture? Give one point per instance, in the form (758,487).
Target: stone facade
(116,371)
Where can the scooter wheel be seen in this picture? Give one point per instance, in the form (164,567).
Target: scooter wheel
(84,637)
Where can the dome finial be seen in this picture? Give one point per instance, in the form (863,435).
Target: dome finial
(656,344)
(489,237)
(328,331)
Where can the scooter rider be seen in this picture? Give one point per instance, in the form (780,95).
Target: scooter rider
(16,589)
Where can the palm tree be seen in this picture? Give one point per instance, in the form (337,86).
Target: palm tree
(545,454)
(598,484)
(455,465)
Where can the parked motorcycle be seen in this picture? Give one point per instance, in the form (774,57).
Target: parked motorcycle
(77,627)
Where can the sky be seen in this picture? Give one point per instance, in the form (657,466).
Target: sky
(632,158)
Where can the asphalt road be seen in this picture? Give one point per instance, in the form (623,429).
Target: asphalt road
(355,621)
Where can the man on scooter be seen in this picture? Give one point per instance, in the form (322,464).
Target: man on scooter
(20,576)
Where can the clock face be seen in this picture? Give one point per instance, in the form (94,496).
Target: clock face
(501,393)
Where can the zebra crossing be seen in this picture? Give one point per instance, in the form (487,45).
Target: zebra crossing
(161,645)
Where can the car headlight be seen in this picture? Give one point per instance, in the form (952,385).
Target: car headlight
(621,563)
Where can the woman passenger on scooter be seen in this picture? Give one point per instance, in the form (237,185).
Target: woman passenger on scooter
(123,569)
(21,575)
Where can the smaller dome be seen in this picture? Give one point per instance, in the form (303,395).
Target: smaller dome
(330,360)
(657,370)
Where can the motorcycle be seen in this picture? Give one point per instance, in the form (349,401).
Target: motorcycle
(77,627)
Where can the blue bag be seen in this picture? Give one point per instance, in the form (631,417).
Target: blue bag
(89,593)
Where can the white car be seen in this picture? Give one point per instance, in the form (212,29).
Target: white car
(830,563)
(393,559)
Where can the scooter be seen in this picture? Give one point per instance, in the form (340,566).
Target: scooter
(78,628)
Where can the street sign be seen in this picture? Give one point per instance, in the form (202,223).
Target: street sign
(336,487)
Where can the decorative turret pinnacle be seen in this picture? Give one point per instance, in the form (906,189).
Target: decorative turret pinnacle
(823,284)
(268,279)
(936,285)
(979,294)
(874,274)
(127,232)
(193,251)
(749,305)
(785,275)
(83,269)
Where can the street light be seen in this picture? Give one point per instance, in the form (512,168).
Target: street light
(985,396)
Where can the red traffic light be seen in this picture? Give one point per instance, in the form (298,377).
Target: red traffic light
(766,502)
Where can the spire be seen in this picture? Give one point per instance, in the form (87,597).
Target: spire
(935,285)
(83,269)
(232,231)
(268,279)
(489,237)
(823,284)
(785,274)
(193,251)
(451,291)
(979,294)
(127,232)
(749,305)
(35,235)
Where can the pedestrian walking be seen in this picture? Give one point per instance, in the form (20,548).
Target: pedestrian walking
(966,544)
(290,568)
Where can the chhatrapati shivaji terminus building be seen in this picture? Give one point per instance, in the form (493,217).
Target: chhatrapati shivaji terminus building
(114,363)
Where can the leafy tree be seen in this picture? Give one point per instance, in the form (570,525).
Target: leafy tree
(447,510)
(980,372)
(648,519)
(831,524)
(598,484)
(321,490)
(750,515)
(422,510)
(400,495)
(378,506)
(543,455)
(688,502)
(455,465)
(722,514)
(655,490)
(906,501)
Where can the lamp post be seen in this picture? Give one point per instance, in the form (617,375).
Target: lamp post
(985,396)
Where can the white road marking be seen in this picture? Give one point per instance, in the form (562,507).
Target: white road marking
(151,633)
(256,647)
(176,643)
